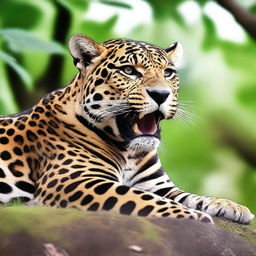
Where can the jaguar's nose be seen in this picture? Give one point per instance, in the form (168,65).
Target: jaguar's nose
(159,96)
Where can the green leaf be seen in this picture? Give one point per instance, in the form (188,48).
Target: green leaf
(210,37)
(253,9)
(166,10)
(20,40)
(246,95)
(25,77)
(117,4)
(17,19)
(75,5)
(104,29)
(202,2)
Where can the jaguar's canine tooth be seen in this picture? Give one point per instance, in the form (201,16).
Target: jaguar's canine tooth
(136,129)
(141,115)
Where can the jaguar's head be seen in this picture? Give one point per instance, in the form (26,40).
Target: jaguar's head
(128,87)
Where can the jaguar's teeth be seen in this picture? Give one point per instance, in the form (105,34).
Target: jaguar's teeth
(136,129)
(141,115)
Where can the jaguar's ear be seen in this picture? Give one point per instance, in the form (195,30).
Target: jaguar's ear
(175,53)
(83,50)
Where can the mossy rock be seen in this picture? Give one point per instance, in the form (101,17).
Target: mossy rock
(36,231)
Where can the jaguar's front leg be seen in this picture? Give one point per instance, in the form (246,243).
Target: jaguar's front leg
(211,205)
(96,193)
(151,177)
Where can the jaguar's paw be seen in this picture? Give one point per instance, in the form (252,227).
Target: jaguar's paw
(229,210)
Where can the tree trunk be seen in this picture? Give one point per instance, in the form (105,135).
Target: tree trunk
(42,231)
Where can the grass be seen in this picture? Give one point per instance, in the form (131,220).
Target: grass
(15,202)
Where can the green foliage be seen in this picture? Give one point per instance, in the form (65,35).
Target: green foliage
(104,29)
(210,35)
(17,9)
(117,4)
(19,69)
(21,41)
(166,9)
(74,5)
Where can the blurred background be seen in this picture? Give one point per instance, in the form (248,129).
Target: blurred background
(210,147)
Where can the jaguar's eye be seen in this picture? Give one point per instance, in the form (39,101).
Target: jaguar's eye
(128,70)
(168,72)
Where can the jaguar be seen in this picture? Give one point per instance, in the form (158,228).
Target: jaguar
(92,145)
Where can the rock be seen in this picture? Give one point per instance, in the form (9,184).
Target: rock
(51,250)
(135,248)
(42,231)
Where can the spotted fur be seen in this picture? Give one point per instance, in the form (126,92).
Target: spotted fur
(93,144)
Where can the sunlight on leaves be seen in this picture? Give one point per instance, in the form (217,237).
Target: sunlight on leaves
(117,4)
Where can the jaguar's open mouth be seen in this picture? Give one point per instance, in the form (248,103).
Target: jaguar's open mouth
(131,126)
(147,125)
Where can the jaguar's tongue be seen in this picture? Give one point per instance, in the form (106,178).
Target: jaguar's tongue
(145,125)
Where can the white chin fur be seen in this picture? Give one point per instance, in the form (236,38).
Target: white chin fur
(143,143)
